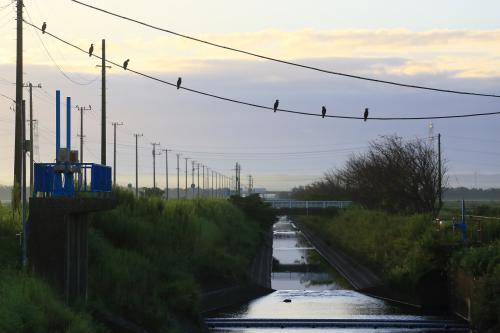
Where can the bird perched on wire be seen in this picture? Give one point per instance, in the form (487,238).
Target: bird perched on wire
(323,112)
(366,114)
(125,64)
(91,50)
(276,104)
(179,81)
(44,27)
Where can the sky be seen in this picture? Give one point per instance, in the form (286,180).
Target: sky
(446,44)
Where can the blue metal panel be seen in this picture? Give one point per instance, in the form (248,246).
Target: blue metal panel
(101,178)
(58,123)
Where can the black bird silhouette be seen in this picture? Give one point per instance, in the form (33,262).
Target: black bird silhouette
(287,300)
(323,112)
(366,114)
(179,81)
(91,50)
(44,26)
(276,104)
(125,64)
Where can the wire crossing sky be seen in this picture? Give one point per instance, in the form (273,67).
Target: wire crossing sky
(399,84)
(258,105)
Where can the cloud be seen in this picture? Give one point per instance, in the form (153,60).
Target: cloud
(466,53)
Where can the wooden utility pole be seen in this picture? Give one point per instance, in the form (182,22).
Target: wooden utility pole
(114,150)
(18,144)
(137,165)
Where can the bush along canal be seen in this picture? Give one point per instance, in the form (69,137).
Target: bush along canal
(310,294)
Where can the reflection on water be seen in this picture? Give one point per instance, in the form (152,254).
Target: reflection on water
(315,291)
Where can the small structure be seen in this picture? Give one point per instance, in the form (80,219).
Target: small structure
(64,194)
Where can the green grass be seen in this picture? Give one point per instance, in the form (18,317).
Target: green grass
(401,248)
(149,259)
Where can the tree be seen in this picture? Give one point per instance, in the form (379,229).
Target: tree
(394,175)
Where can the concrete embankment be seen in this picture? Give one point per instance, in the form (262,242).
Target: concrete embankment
(259,284)
(358,275)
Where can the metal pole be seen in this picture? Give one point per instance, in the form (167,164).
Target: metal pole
(198,191)
(203,181)
(192,179)
(114,150)
(186,187)
(136,165)
(439,173)
(178,184)
(154,164)
(166,172)
(212,183)
(23,187)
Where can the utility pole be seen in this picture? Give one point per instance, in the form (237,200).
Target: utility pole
(154,163)
(103,101)
(166,172)
(31,86)
(186,188)
(82,109)
(24,203)
(137,165)
(18,144)
(203,181)
(439,173)
(192,179)
(212,183)
(178,184)
(114,148)
(198,192)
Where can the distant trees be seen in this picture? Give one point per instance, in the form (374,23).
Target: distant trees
(393,175)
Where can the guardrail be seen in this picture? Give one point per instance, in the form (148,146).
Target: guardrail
(291,204)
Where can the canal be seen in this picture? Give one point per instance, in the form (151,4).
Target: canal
(308,289)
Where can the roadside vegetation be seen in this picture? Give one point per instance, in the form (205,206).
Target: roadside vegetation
(150,259)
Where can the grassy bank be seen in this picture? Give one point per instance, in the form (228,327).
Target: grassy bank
(150,259)
(399,248)
(403,248)
(27,304)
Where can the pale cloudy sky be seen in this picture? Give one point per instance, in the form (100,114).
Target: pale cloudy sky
(451,44)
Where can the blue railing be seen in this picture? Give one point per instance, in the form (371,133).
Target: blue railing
(67,179)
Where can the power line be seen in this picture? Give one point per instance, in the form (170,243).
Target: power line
(358,77)
(258,106)
(56,64)
(10,98)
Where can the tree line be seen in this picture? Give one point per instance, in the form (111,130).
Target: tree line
(394,175)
